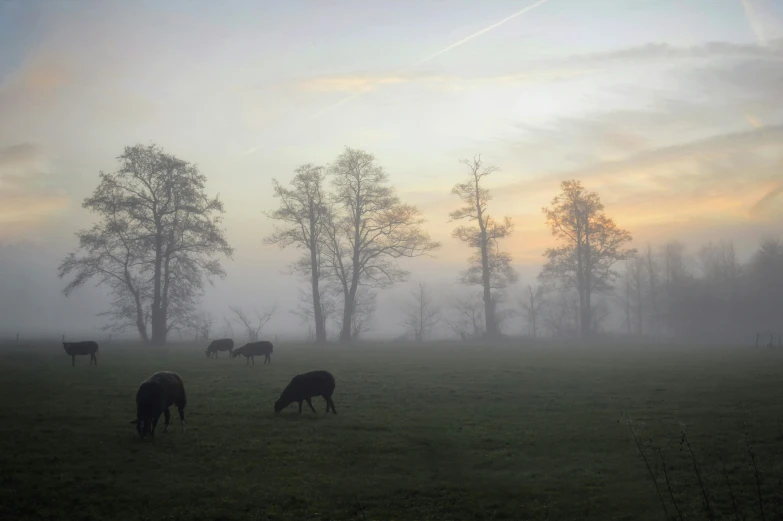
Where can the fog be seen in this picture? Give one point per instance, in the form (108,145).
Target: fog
(669,112)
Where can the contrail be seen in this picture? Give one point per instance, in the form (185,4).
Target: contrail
(479,33)
(754,22)
(435,55)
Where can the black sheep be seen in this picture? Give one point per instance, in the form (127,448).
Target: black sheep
(224,344)
(252,349)
(82,348)
(305,386)
(155,396)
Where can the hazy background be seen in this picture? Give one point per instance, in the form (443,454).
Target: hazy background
(670,110)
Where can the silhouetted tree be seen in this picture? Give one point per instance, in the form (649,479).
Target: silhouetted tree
(304,208)
(489,267)
(652,279)
(591,244)
(253,327)
(364,307)
(156,241)
(466,316)
(532,303)
(422,313)
(369,230)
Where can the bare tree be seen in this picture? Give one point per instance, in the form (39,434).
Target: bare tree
(561,312)
(653,278)
(364,312)
(634,293)
(252,326)
(372,230)
(228,328)
(303,208)
(532,306)
(466,317)
(329,306)
(591,244)
(489,267)
(156,241)
(202,322)
(422,314)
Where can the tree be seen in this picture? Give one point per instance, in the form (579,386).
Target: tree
(363,312)
(591,244)
(303,208)
(253,327)
(422,314)
(532,304)
(489,267)
(155,244)
(467,316)
(329,307)
(202,323)
(369,231)
(652,283)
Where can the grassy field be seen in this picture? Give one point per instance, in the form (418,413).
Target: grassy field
(441,432)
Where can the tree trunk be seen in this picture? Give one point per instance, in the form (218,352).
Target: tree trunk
(320,329)
(350,299)
(158,316)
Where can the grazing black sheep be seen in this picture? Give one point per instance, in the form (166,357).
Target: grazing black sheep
(155,396)
(305,386)
(224,344)
(81,348)
(252,349)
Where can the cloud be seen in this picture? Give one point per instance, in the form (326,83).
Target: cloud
(665,51)
(27,195)
(368,83)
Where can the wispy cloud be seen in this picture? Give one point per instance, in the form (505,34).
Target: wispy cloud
(360,84)
(27,197)
(665,51)
(438,53)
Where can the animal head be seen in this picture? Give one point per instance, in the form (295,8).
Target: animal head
(65,346)
(235,353)
(143,427)
(284,400)
(208,353)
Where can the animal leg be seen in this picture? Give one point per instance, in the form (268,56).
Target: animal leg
(310,404)
(181,418)
(252,358)
(267,358)
(167,415)
(330,403)
(300,406)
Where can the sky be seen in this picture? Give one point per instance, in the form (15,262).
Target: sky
(669,109)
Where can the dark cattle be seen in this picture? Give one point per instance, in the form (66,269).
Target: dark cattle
(155,396)
(224,344)
(255,349)
(81,348)
(305,386)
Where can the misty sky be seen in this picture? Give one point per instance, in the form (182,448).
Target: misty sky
(670,109)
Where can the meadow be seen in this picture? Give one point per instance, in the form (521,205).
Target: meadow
(422,433)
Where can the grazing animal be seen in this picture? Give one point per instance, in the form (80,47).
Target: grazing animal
(155,396)
(305,386)
(81,348)
(252,349)
(224,344)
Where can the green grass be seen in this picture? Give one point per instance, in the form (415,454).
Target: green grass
(421,433)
